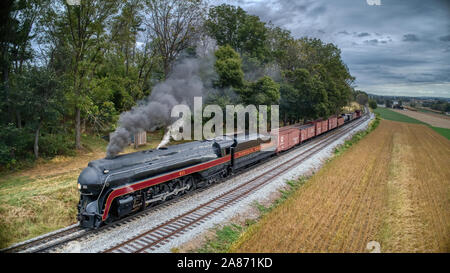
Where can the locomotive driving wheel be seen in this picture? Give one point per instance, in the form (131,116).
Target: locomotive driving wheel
(190,184)
(165,189)
(177,185)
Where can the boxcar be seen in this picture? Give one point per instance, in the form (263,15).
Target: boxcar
(354,115)
(288,137)
(318,126)
(340,121)
(332,122)
(324,126)
(306,132)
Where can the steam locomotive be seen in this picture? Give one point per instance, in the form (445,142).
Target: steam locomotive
(113,188)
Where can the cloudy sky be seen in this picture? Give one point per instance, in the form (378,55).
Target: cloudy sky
(401,47)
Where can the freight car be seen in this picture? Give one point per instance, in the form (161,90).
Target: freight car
(113,188)
(340,121)
(324,124)
(332,122)
(307,131)
(288,137)
(318,126)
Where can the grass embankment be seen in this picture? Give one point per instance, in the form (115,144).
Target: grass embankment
(392,115)
(45,197)
(392,187)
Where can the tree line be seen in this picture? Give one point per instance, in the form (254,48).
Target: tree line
(72,69)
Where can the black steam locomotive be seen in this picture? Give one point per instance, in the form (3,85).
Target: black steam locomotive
(113,188)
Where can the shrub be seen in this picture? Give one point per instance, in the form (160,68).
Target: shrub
(16,146)
(56,144)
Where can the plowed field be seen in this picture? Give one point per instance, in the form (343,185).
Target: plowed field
(393,187)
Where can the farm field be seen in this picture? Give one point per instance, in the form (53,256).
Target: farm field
(398,115)
(395,192)
(432,112)
(432,119)
(389,114)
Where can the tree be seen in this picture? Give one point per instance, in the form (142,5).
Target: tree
(81,34)
(43,98)
(173,25)
(232,26)
(372,104)
(289,109)
(229,68)
(278,43)
(312,96)
(264,91)
(388,103)
(362,99)
(17,29)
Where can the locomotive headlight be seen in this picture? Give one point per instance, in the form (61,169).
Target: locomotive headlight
(79,186)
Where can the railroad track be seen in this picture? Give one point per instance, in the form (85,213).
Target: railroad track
(163,233)
(60,237)
(45,240)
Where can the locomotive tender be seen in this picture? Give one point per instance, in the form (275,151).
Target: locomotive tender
(113,188)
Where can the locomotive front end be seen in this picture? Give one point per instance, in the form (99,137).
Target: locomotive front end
(90,186)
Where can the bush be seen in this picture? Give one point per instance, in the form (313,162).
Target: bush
(56,144)
(16,146)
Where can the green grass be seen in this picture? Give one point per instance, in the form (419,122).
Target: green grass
(443,131)
(391,115)
(223,239)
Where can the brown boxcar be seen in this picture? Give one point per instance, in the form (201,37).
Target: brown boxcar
(340,121)
(358,113)
(324,125)
(318,125)
(288,137)
(306,132)
(353,115)
(332,122)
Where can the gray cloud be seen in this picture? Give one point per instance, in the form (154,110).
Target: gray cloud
(445,38)
(371,42)
(410,38)
(363,34)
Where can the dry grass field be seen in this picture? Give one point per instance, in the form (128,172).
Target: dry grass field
(44,198)
(392,187)
(435,120)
